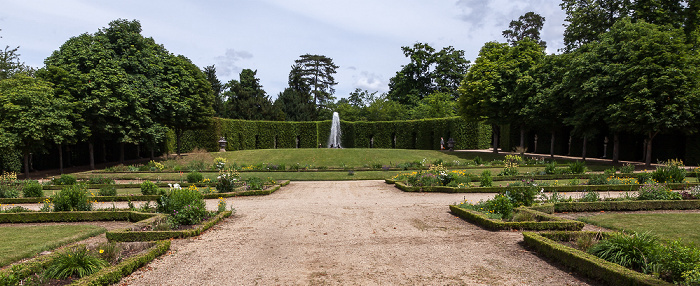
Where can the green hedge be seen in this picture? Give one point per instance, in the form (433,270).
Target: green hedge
(30,217)
(626,206)
(578,188)
(128,234)
(587,264)
(549,222)
(408,134)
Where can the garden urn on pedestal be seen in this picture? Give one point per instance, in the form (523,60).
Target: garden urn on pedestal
(222,144)
(451,144)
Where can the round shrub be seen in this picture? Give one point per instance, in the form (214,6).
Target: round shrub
(65,179)
(254,183)
(32,189)
(227,181)
(521,196)
(186,206)
(149,188)
(9,191)
(486,180)
(72,198)
(500,204)
(107,191)
(194,177)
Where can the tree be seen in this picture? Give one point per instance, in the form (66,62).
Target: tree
(10,63)
(247,99)
(436,105)
(217,88)
(316,72)
(30,116)
(588,19)
(428,72)
(527,26)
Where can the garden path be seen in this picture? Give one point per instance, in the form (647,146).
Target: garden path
(349,233)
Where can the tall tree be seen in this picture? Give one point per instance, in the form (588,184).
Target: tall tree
(10,63)
(247,99)
(588,19)
(428,72)
(217,88)
(317,73)
(30,116)
(527,26)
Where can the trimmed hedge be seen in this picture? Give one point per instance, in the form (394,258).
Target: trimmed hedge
(128,234)
(626,206)
(587,264)
(30,217)
(578,188)
(407,134)
(106,276)
(548,222)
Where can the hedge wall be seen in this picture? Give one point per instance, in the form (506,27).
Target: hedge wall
(409,134)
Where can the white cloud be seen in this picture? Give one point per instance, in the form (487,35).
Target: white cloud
(371,82)
(228,64)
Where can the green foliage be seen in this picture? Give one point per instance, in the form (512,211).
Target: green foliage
(632,251)
(644,178)
(502,205)
(194,177)
(576,167)
(550,168)
(627,169)
(247,99)
(590,196)
(669,172)
(72,198)
(254,183)
(65,179)
(656,191)
(675,259)
(186,206)
(521,196)
(32,189)
(486,180)
(228,181)
(100,180)
(149,188)
(107,191)
(76,262)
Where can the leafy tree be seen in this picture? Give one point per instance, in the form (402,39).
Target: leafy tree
(217,88)
(436,105)
(527,26)
(247,99)
(588,19)
(382,108)
(295,101)
(10,63)
(428,72)
(30,116)
(316,72)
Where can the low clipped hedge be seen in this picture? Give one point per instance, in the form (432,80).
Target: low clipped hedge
(584,263)
(577,188)
(547,222)
(106,276)
(626,205)
(128,234)
(30,217)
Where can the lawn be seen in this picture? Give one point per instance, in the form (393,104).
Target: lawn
(20,242)
(669,226)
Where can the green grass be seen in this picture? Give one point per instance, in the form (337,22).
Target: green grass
(669,226)
(20,242)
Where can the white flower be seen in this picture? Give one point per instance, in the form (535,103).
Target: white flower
(170,185)
(177,186)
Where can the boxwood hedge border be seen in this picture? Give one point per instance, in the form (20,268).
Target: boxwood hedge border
(128,234)
(547,221)
(577,188)
(584,263)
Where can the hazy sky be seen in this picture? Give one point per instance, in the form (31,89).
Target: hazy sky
(363,37)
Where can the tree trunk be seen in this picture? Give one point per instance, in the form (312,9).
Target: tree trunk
(138,151)
(583,152)
(91,149)
(522,140)
(152,153)
(648,152)
(104,152)
(26,165)
(121,153)
(495,138)
(616,148)
(60,158)
(178,137)
(551,144)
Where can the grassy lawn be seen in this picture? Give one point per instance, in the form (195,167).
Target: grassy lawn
(665,225)
(20,242)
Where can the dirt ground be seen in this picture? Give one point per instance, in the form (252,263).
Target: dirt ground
(350,233)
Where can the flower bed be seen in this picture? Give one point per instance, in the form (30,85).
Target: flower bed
(135,233)
(544,221)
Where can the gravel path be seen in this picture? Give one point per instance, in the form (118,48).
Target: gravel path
(349,233)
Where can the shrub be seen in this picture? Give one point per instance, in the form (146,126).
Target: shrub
(657,191)
(478,161)
(107,191)
(486,179)
(550,168)
(228,181)
(72,198)
(670,172)
(74,262)
(428,180)
(100,181)
(186,206)
(675,259)
(254,183)
(524,216)
(32,189)
(501,205)
(65,179)
(644,178)
(632,251)
(219,163)
(598,179)
(149,188)
(521,196)
(194,177)
(590,196)
(627,169)
(577,167)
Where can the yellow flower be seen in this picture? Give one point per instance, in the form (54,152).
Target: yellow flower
(102,251)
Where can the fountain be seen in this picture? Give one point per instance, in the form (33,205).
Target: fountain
(334,139)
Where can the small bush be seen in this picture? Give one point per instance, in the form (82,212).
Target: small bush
(100,181)
(32,190)
(590,196)
(194,177)
(74,262)
(521,196)
(72,198)
(631,251)
(254,183)
(598,179)
(186,206)
(657,191)
(644,178)
(65,179)
(149,188)
(670,172)
(627,169)
(502,205)
(228,181)
(523,216)
(107,191)
(577,167)
(675,259)
(478,161)
(486,180)
(550,168)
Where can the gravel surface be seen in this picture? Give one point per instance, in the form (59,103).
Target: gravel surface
(349,233)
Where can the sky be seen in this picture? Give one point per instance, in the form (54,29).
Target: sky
(363,37)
